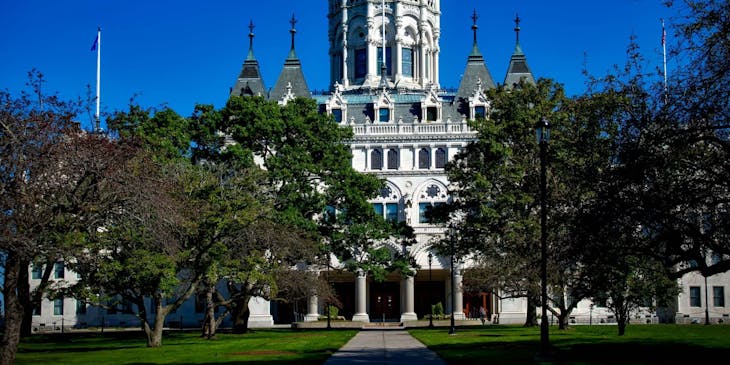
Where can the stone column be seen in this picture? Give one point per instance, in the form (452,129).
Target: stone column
(312,309)
(436,75)
(408,314)
(361,298)
(345,22)
(459,296)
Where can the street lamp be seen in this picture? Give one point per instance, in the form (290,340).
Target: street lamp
(707,303)
(452,233)
(430,289)
(542,130)
(329,325)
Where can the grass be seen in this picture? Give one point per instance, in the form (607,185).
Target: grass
(642,344)
(260,347)
(501,344)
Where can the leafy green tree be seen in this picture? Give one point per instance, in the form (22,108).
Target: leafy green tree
(496,184)
(51,178)
(315,188)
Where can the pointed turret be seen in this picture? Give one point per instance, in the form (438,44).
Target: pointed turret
(518,68)
(476,69)
(291,82)
(250,82)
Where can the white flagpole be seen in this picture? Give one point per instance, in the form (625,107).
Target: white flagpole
(97,127)
(664,53)
(385,62)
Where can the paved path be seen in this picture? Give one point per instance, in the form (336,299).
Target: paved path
(384,347)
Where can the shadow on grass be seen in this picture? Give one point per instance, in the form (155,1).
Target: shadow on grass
(523,352)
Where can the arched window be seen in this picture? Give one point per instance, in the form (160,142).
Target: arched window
(392,159)
(440,158)
(424,158)
(431,195)
(407,62)
(376,159)
(386,204)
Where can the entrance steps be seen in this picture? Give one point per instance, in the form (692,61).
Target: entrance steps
(383,326)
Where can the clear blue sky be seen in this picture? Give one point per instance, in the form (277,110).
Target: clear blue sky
(185,52)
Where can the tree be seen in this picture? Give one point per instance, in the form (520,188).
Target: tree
(52,177)
(142,250)
(495,185)
(662,203)
(309,169)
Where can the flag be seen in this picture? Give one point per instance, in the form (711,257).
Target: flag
(96,43)
(664,34)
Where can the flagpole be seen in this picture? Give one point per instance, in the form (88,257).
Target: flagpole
(97,126)
(664,54)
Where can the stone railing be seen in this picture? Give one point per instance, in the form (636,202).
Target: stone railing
(410,128)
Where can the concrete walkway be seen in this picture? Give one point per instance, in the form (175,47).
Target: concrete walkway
(384,347)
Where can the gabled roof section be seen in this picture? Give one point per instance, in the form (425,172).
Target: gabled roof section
(291,79)
(250,82)
(518,68)
(476,69)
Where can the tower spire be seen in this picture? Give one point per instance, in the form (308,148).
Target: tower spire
(293,30)
(251,35)
(474,26)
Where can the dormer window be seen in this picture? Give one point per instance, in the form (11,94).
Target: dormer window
(337,113)
(432,114)
(480,112)
(383,115)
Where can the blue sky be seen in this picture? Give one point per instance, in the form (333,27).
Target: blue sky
(184,52)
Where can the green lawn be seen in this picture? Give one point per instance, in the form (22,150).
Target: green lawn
(260,347)
(642,344)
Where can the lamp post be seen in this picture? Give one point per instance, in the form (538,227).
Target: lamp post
(452,232)
(542,130)
(707,302)
(329,326)
(430,289)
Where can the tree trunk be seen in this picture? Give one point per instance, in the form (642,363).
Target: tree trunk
(240,314)
(23,282)
(563,320)
(531,317)
(622,327)
(154,333)
(13,312)
(209,323)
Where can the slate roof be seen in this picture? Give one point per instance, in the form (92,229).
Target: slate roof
(291,76)
(250,82)
(518,69)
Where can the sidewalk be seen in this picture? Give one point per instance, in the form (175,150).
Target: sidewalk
(384,347)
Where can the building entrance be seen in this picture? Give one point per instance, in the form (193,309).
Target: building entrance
(384,302)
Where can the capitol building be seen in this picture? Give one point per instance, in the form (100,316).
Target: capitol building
(385,85)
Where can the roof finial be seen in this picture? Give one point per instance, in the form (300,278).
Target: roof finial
(250,36)
(293,31)
(517,27)
(474,27)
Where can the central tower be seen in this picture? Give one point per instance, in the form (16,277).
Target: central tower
(402,33)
